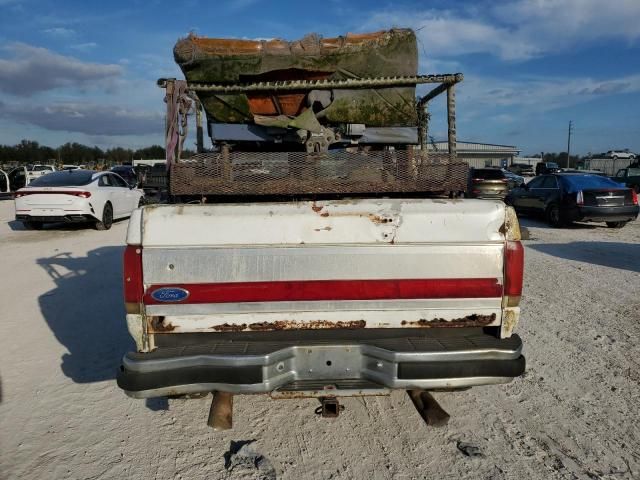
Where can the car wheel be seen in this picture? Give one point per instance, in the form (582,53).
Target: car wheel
(107,218)
(616,224)
(33,225)
(554,217)
(615,157)
(141,202)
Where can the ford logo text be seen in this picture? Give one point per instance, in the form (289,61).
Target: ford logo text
(170,294)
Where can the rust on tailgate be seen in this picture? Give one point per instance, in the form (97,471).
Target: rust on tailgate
(313,325)
(378,220)
(159,325)
(230,327)
(473,320)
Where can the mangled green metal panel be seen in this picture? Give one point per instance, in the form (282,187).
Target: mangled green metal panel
(230,61)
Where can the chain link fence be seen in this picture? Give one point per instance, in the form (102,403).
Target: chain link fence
(300,173)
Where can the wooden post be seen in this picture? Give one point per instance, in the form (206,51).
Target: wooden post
(423,139)
(423,121)
(451,121)
(170,88)
(221,412)
(226,162)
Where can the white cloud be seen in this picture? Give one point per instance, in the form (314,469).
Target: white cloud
(516,29)
(84,46)
(60,32)
(33,69)
(87,118)
(539,94)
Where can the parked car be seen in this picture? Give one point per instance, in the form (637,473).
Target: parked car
(488,183)
(5,190)
(630,177)
(544,168)
(128,173)
(22,176)
(590,172)
(76,196)
(567,197)
(72,167)
(514,180)
(521,169)
(41,168)
(615,154)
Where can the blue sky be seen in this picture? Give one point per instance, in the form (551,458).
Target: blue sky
(85,71)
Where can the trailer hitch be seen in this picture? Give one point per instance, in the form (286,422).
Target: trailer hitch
(329,408)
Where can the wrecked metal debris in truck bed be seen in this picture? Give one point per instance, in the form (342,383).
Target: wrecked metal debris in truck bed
(353,56)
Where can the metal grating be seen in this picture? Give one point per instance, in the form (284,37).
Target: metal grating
(333,172)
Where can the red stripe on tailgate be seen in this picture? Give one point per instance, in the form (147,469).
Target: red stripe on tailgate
(310,290)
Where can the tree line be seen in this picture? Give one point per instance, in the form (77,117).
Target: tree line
(31,152)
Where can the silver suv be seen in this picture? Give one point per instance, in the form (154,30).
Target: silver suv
(615,154)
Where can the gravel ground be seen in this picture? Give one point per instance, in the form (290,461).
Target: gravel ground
(574,414)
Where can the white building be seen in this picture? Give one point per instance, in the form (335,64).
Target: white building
(480,154)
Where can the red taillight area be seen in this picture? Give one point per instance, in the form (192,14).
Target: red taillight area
(132,273)
(513,268)
(328,290)
(82,194)
(580,198)
(634,197)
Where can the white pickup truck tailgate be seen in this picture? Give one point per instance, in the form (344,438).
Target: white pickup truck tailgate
(365,263)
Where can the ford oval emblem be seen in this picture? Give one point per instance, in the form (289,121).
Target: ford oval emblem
(170,294)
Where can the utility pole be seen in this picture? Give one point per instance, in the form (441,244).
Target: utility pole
(569,142)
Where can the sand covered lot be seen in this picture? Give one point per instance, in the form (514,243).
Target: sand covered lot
(574,414)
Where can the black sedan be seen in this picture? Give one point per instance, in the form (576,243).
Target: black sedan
(568,197)
(128,173)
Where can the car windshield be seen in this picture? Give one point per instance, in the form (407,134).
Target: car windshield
(574,183)
(69,178)
(488,174)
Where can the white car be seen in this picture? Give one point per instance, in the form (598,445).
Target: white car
(76,196)
(615,154)
(41,168)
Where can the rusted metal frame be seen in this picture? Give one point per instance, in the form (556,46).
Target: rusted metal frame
(433,93)
(422,108)
(451,122)
(288,85)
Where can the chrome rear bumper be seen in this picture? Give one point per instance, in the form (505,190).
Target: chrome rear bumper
(421,361)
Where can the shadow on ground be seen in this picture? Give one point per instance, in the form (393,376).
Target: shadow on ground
(86,314)
(625,256)
(18,226)
(539,222)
